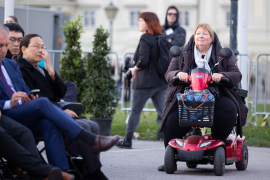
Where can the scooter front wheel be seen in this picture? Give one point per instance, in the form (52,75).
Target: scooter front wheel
(169,160)
(219,161)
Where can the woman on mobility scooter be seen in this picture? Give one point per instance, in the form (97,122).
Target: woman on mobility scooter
(203,51)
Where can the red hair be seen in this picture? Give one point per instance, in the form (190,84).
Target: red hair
(152,21)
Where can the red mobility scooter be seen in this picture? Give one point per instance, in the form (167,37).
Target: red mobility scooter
(201,148)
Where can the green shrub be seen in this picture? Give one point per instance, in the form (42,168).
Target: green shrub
(99,97)
(72,64)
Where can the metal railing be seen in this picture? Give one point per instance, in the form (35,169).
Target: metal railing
(265,113)
(125,90)
(251,66)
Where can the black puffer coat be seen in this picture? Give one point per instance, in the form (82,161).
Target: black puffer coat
(178,36)
(228,67)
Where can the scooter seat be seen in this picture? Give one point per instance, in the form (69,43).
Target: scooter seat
(228,142)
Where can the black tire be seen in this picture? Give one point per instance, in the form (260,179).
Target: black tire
(242,165)
(219,161)
(169,160)
(191,165)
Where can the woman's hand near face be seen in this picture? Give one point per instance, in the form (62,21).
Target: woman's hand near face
(183,76)
(216,77)
(48,64)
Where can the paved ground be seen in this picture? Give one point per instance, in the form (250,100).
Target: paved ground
(142,161)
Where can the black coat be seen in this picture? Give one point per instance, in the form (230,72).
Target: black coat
(54,90)
(227,67)
(178,36)
(146,57)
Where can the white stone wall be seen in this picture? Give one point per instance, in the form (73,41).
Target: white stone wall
(125,37)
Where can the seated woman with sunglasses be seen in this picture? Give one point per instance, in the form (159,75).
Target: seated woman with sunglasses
(32,51)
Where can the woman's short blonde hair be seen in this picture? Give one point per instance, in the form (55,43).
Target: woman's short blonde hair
(206,27)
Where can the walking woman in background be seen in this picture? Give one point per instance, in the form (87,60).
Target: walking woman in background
(147,82)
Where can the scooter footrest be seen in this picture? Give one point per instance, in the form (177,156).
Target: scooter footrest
(190,155)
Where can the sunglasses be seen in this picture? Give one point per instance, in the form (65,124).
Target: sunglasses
(170,14)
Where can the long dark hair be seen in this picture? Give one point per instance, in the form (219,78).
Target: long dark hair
(152,21)
(15,19)
(26,41)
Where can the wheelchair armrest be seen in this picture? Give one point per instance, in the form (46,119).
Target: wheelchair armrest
(73,106)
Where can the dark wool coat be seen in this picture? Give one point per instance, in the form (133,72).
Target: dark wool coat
(146,57)
(178,36)
(228,67)
(54,90)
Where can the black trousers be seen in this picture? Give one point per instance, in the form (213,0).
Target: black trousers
(225,117)
(17,145)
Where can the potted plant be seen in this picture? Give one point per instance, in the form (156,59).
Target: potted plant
(100,95)
(72,64)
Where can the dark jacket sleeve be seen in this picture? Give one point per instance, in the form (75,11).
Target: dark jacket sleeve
(232,73)
(60,88)
(25,88)
(172,70)
(180,37)
(144,53)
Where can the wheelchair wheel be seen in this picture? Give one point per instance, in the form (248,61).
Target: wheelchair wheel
(219,161)
(242,165)
(169,160)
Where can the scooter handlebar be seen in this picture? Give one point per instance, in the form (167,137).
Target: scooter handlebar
(224,80)
(176,81)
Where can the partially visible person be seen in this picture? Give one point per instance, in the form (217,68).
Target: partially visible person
(16,33)
(203,51)
(147,83)
(175,34)
(39,114)
(19,148)
(52,87)
(12,19)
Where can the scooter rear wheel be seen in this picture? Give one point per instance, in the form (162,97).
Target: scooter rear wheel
(169,160)
(242,165)
(219,161)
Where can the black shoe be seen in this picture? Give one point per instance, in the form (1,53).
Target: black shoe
(124,144)
(161,168)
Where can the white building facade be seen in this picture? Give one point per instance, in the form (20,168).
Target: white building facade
(192,12)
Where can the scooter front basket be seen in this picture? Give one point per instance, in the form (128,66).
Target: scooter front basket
(195,111)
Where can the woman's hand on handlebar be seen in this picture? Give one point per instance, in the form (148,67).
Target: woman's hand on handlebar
(183,76)
(216,77)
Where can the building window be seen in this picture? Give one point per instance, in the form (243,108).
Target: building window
(228,18)
(184,18)
(134,18)
(89,18)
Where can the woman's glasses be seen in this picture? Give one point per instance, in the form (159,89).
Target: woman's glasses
(38,47)
(172,14)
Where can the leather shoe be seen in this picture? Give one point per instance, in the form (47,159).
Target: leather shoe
(161,168)
(103,143)
(54,174)
(67,176)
